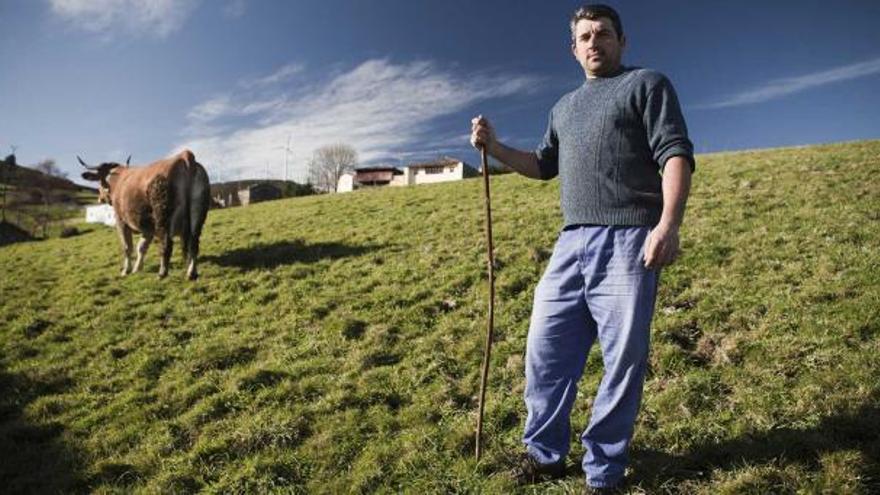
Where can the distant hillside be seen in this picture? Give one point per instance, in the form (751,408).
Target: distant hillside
(333,344)
(24,177)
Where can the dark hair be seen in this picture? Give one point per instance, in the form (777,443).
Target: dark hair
(593,12)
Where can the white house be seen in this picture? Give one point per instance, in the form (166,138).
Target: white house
(381,176)
(101,214)
(442,170)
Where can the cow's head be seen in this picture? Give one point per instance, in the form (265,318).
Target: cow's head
(105,175)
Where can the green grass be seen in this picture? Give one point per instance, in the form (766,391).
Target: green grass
(333,344)
(29,213)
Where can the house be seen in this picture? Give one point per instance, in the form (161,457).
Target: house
(442,170)
(101,214)
(371,177)
(379,176)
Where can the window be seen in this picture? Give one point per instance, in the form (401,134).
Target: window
(434,170)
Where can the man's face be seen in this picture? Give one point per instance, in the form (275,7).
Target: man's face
(597,47)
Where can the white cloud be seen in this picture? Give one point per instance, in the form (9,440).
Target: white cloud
(141,17)
(778,88)
(385,110)
(210,109)
(284,73)
(235,9)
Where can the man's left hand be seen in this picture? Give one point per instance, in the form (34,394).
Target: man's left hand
(661,248)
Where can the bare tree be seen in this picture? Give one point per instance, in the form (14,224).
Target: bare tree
(328,163)
(49,168)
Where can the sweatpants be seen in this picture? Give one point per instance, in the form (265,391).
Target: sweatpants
(595,286)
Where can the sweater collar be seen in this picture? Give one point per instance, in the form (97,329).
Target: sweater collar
(599,80)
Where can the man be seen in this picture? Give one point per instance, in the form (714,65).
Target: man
(620,148)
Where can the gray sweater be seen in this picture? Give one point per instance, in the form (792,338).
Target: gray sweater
(608,140)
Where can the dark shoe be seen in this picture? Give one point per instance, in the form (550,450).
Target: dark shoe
(617,489)
(605,490)
(531,471)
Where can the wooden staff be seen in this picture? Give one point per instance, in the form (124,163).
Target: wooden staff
(491,322)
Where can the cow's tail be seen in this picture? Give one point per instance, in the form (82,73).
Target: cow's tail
(198,202)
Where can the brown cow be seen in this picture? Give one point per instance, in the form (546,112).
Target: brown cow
(166,198)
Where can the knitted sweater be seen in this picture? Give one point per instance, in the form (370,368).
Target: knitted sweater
(608,140)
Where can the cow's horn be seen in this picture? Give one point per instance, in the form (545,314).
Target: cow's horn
(128,160)
(84,163)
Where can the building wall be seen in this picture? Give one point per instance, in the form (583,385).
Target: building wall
(450,172)
(345,184)
(409,176)
(101,214)
(403,179)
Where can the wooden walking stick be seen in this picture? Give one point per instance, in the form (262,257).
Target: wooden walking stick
(491,322)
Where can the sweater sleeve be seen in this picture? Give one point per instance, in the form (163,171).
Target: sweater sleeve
(665,126)
(548,152)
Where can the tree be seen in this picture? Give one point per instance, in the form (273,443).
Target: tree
(294,189)
(329,163)
(49,168)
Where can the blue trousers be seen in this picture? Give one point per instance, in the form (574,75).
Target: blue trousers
(595,285)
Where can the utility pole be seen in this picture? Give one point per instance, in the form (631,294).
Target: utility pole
(287,151)
(286,156)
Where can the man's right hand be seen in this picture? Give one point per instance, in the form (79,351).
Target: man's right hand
(524,162)
(482,133)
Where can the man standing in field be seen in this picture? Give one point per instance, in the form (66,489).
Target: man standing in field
(619,145)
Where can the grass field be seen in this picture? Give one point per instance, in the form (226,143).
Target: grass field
(333,344)
(30,214)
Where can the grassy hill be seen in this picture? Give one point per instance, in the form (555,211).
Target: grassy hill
(333,344)
(25,177)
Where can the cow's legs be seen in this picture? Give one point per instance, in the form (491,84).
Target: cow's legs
(142,247)
(177,225)
(167,245)
(125,236)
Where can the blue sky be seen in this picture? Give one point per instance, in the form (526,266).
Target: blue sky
(234,80)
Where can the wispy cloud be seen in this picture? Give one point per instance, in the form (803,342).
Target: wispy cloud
(234,9)
(387,111)
(284,73)
(140,17)
(209,110)
(778,88)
